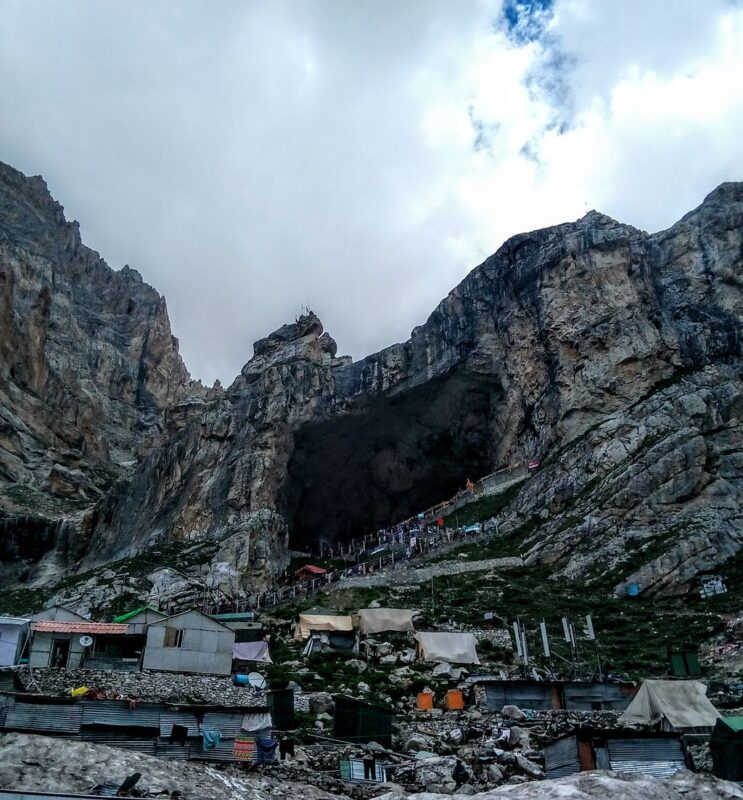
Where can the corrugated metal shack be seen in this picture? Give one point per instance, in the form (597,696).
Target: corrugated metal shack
(13,635)
(189,642)
(58,643)
(359,722)
(726,747)
(171,732)
(552,695)
(625,751)
(243,623)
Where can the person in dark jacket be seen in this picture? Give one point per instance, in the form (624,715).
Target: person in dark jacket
(459,773)
(370,766)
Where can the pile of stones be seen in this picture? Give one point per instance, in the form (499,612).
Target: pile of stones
(144,686)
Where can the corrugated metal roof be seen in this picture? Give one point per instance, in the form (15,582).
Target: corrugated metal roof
(174,752)
(656,757)
(52,626)
(14,620)
(136,612)
(224,751)
(561,758)
(118,739)
(227,724)
(43,718)
(23,794)
(5,703)
(117,714)
(170,718)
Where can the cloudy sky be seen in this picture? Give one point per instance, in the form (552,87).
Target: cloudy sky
(358,156)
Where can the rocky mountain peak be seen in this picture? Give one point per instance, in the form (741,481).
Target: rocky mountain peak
(610,356)
(88,363)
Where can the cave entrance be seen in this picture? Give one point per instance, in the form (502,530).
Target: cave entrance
(390,458)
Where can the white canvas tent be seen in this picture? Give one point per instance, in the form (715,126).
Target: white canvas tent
(379,620)
(454,648)
(251,651)
(321,619)
(674,705)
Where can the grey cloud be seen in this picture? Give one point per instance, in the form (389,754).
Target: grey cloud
(252,158)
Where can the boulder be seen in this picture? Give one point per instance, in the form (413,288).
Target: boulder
(512,712)
(322,703)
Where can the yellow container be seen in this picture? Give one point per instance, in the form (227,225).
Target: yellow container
(453,700)
(425,701)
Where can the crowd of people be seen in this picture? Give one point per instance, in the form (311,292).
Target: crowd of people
(386,549)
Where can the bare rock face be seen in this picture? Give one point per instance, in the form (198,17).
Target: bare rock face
(88,365)
(611,356)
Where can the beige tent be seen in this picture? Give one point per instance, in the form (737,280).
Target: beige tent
(455,648)
(321,619)
(676,705)
(378,620)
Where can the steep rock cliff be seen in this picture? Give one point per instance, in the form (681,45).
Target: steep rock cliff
(610,355)
(88,369)
(561,331)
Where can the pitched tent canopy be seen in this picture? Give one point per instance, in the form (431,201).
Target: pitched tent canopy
(676,705)
(321,619)
(378,620)
(252,651)
(455,648)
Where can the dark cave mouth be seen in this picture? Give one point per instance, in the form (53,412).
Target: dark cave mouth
(389,459)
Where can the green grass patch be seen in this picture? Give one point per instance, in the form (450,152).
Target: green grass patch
(484,508)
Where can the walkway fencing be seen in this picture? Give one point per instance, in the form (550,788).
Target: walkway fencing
(410,539)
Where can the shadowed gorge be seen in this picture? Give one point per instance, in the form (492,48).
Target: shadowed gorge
(389,457)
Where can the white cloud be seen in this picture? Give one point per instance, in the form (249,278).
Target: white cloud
(359,158)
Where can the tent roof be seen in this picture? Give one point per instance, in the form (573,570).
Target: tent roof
(455,648)
(311,620)
(378,620)
(311,568)
(251,651)
(683,704)
(131,614)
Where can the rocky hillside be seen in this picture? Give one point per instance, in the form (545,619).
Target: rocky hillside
(610,355)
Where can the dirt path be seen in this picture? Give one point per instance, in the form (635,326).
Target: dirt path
(417,575)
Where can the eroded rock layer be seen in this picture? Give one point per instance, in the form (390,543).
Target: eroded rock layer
(610,355)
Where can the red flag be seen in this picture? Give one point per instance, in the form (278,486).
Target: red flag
(440,522)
